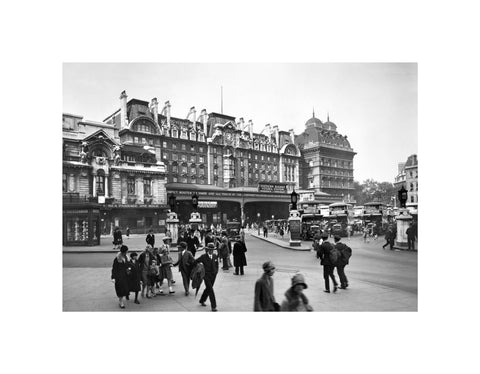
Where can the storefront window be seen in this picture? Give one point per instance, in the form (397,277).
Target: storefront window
(77,229)
(64,188)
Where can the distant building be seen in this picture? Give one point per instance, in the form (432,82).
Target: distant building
(327,159)
(408,177)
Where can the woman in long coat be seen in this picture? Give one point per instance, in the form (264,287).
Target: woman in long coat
(120,276)
(239,259)
(134,276)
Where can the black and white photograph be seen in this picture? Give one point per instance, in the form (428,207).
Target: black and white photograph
(220,159)
(240,187)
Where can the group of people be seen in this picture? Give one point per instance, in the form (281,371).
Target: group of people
(146,273)
(332,256)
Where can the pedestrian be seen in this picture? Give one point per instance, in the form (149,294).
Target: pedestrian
(134,276)
(345,254)
(295,299)
(145,260)
(324,255)
(223,252)
(185,265)
(210,264)
(411,237)
(239,259)
(117,238)
(153,276)
(128,232)
(166,264)
(120,276)
(265,231)
(281,232)
(388,236)
(264,299)
(365,235)
(192,242)
(150,239)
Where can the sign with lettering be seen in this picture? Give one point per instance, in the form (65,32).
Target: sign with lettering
(207,204)
(272,187)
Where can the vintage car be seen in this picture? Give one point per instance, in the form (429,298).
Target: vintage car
(233,230)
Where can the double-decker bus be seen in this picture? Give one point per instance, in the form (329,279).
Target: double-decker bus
(311,225)
(375,216)
(340,217)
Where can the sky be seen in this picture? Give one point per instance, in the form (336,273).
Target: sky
(374,104)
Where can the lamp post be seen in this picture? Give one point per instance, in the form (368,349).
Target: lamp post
(195,219)
(403,220)
(258,222)
(294,221)
(172,220)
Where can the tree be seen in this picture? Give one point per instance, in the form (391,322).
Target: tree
(371,190)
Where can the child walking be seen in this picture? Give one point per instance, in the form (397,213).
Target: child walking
(166,269)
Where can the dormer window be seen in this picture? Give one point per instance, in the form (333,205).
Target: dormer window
(193,135)
(183,134)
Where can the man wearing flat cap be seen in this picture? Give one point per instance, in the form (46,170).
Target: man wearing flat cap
(210,263)
(264,296)
(185,264)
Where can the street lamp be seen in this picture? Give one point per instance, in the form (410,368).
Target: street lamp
(402,197)
(294,199)
(172,202)
(195,201)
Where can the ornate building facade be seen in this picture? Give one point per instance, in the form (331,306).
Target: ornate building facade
(327,159)
(118,172)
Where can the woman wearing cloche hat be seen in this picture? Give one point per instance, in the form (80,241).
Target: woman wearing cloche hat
(295,300)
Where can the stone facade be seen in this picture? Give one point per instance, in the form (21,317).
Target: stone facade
(408,177)
(327,159)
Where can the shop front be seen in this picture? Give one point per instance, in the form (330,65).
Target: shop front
(81,226)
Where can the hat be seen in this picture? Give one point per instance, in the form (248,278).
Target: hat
(324,235)
(123,249)
(268,266)
(337,238)
(210,246)
(182,245)
(134,254)
(167,238)
(298,279)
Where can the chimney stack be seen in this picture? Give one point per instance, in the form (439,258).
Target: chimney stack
(250,128)
(123,110)
(275,133)
(154,109)
(292,136)
(167,111)
(204,120)
(267,127)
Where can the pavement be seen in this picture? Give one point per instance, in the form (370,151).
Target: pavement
(90,289)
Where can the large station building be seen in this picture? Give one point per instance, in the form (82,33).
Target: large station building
(119,172)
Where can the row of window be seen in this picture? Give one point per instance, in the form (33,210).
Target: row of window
(183,157)
(132,188)
(414,186)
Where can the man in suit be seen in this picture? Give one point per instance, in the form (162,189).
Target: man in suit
(324,255)
(192,242)
(210,264)
(150,239)
(185,263)
(264,297)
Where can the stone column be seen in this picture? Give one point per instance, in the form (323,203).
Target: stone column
(403,221)
(94,185)
(172,226)
(295,224)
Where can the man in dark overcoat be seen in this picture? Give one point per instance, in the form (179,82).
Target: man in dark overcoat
(324,255)
(239,259)
(210,264)
(345,253)
(150,239)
